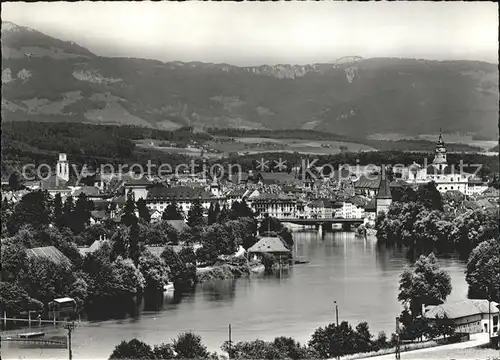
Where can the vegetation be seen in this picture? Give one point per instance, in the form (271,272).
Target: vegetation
(483,271)
(327,342)
(425,284)
(186,346)
(418,220)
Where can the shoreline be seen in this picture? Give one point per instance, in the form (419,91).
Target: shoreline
(227,271)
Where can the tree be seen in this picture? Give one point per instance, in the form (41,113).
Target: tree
(189,345)
(241,209)
(81,214)
(154,270)
(128,217)
(429,196)
(445,326)
(58,211)
(483,271)
(128,278)
(281,348)
(164,351)
(425,284)
(224,215)
(46,280)
(14,260)
(68,210)
(183,275)
(134,243)
(143,210)
(15,181)
(212,216)
(14,299)
(474,227)
(133,349)
(195,214)
(33,209)
(172,212)
(332,341)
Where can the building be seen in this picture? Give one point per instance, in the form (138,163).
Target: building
(469,316)
(275,205)
(321,209)
(49,252)
(138,187)
(371,212)
(159,197)
(446,176)
(272,245)
(367,185)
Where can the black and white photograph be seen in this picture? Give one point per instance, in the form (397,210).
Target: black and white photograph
(253,180)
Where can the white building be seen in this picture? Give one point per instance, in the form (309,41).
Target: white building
(446,176)
(469,316)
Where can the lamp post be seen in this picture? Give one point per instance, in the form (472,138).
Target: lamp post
(336,313)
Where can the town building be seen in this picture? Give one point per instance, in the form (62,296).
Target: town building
(159,197)
(446,176)
(469,316)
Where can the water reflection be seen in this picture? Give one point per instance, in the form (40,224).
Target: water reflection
(218,290)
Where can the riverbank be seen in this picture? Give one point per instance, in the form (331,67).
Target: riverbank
(229,270)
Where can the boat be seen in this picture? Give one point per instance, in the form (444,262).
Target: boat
(31,335)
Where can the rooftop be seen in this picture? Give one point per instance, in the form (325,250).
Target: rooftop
(269,244)
(50,253)
(384,190)
(461,309)
(179,192)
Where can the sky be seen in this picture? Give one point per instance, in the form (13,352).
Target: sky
(254,33)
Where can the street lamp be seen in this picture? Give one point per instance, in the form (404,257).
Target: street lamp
(336,312)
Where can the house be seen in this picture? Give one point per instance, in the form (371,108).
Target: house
(62,308)
(272,245)
(367,185)
(351,209)
(96,245)
(49,252)
(155,215)
(179,225)
(322,209)
(469,316)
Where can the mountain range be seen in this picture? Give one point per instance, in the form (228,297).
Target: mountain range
(47,79)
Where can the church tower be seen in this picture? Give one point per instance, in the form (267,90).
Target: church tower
(215,188)
(440,161)
(62,170)
(383,200)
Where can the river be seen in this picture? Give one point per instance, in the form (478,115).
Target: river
(355,272)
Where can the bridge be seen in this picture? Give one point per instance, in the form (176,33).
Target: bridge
(322,221)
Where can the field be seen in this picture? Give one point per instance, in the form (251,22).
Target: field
(486,145)
(252,145)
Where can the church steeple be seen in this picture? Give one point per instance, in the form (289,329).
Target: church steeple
(440,154)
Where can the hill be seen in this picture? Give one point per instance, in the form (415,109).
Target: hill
(46,79)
